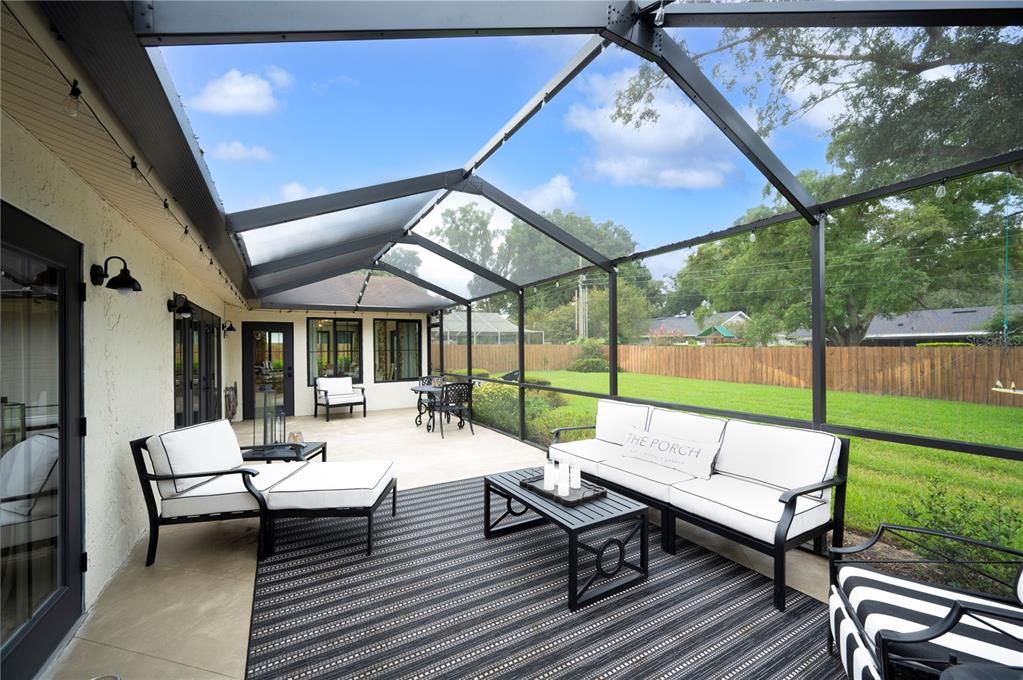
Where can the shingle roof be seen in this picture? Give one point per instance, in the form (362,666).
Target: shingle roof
(935,322)
(686,325)
(482,322)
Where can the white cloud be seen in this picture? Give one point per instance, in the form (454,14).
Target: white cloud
(236,151)
(293,191)
(939,73)
(681,150)
(236,93)
(279,77)
(555,193)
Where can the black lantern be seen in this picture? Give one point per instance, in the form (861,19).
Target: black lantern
(124,283)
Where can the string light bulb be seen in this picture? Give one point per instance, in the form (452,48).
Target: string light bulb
(753,236)
(941,190)
(136,174)
(73,101)
(659,15)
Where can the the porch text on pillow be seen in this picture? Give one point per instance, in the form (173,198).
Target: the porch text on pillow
(692,457)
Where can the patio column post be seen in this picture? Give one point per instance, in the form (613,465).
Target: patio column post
(612,329)
(468,340)
(522,363)
(440,340)
(819,345)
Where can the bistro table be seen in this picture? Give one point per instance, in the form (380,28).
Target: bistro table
(285,452)
(432,393)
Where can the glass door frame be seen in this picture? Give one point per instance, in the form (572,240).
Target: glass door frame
(248,395)
(25,653)
(201,332)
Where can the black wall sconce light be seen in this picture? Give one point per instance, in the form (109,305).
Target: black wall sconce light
(178,304)
(228,327)
(124,283)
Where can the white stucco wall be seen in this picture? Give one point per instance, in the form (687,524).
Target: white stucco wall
(128,360)
(378,395)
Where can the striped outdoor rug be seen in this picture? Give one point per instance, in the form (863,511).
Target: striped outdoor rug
(438,600)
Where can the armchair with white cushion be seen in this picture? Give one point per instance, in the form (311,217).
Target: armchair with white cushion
(200,476)
(333,392)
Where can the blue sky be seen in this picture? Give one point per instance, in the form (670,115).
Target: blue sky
(284,121)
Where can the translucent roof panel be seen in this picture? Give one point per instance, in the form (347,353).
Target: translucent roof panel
(323,231)
(322,269)
(382,291)
(296,119)
(385,290)
(622,188)
(340,291)
(488,235)
(439,271)
(871,106)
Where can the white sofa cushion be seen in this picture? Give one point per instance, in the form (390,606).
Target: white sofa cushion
(585,453)
(615,419)
(671,423)
(345,484)
(695,458)
(747,507)
(854,651)
(228,493)
(780,456)
(642,476)
(17,529)
(334,385)
(200,448)
(29,468)
(335,399)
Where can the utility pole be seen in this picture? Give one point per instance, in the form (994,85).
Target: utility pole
(582,315)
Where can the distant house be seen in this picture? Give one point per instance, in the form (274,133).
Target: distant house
(669,330)
(962,324)
(488,328)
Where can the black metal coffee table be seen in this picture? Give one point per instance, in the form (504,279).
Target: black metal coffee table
(285,452)
(612,509)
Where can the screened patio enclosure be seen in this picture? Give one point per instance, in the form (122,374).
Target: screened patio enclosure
(734,90)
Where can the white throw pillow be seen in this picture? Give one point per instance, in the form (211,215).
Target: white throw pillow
(685,455)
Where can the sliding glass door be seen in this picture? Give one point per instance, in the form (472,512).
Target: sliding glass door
(197,396)
(41,448)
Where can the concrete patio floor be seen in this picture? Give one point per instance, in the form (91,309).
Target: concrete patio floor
(187,616)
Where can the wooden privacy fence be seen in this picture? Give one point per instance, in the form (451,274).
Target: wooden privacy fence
(950,373)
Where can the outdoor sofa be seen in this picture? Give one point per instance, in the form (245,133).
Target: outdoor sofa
(764,486)
(895,613)
(333,392)
(29,478)
(201,476)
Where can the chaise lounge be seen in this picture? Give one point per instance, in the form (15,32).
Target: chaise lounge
(766,487)
(201,476)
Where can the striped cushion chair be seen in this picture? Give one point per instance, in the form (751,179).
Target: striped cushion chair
(886,625)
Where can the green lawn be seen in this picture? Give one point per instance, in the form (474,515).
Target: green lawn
(884,478)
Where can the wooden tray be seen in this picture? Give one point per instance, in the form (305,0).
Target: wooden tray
(588,492)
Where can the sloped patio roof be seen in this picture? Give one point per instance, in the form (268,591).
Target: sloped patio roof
(281,255)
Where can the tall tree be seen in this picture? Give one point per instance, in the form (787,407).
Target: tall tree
(909,100)
(883,258)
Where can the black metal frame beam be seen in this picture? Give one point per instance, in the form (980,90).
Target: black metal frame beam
(341,308)
(848,13)
(165,22)
(657,46)
(314,206)
(345,248)
(819,344)
(479,186)
(412,278)
(437,249)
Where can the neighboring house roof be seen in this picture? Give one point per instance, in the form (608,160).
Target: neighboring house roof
(482,322)
(686,326)
(719,329)
(927,323)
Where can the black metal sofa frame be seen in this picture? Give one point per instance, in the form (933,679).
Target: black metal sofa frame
(267,517)
(779,547)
